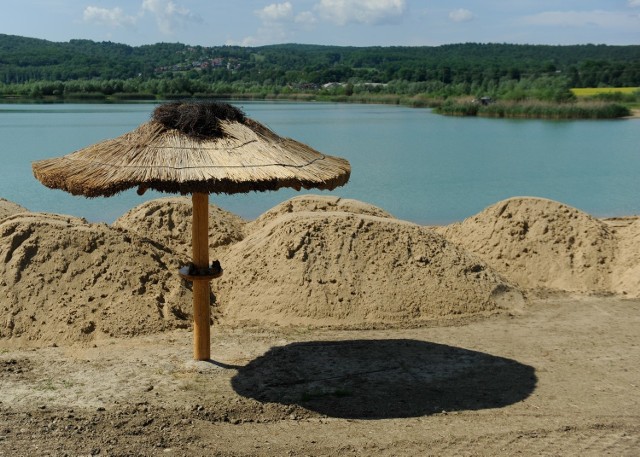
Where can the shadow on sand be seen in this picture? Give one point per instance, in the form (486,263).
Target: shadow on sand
(376,379)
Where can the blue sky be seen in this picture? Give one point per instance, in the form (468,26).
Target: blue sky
(337,22)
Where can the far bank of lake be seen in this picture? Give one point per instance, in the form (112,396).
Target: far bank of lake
(579,109)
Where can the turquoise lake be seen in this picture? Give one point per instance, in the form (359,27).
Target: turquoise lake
(415,164)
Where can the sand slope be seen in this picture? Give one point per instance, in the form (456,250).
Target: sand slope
(345,268)
(62,279)
(8,208)
(168,221)
(540,243)
(317,203)
(625,275)
(310,261)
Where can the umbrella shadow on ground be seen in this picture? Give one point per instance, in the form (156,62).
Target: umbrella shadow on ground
(377,379)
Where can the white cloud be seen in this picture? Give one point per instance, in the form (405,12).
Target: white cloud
(598,18)
(245,42)
(276,12)
(168,14)
(634,3)
(264,35)
(460,15)
(369,12)
(279,24)
(280,21)
(114,17)
(306,18)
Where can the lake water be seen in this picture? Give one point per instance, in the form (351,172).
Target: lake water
(417,165)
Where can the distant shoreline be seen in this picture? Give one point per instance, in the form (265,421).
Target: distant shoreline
(549,111)
(635,114)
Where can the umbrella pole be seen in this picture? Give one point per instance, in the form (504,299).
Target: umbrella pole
(201,288)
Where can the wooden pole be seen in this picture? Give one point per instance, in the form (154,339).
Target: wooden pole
(201,297)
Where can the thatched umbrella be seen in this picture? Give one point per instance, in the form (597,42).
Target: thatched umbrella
(198,149)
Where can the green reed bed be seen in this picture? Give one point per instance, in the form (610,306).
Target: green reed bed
(536,110)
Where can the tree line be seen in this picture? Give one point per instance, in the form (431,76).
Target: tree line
(38,68)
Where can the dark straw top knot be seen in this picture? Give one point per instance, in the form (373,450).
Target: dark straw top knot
(197,119)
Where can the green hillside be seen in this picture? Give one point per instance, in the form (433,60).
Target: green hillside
(82,68)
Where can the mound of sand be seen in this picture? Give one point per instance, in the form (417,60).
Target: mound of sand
(317,203)
(540,243)
(311,261)
(625,275)
(351,269)
(168,221)
(8,208)
(62,279)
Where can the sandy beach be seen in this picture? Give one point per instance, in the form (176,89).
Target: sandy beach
(336,330)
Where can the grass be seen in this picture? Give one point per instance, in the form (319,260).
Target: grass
(592,103)
(536,110)
(592,91)
(51,385)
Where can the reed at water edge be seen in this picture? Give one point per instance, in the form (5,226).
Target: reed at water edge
(534,109)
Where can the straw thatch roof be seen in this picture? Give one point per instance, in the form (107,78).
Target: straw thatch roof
(193,147)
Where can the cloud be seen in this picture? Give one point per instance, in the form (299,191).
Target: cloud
(280,13)
(460,15)
(279,24)
(276,12)
(169,16)
(114,17)
(634,3)
(370,12)
(306,20)
(598,18)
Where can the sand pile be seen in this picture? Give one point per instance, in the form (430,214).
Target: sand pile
(62,279)
(309,261)
(317,203)
(625,276)
(540,243)
(338,268)
(8,208)
(168,221)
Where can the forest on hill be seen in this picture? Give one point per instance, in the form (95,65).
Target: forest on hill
(82,68)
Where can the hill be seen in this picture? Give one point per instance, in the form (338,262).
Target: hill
(33,67)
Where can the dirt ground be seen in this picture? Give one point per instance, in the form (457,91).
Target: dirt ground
(561,377)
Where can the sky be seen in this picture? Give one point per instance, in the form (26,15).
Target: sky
(327,22)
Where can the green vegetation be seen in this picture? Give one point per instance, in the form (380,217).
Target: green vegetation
(596,91)
(536,110)
(416,76)
(629,96)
